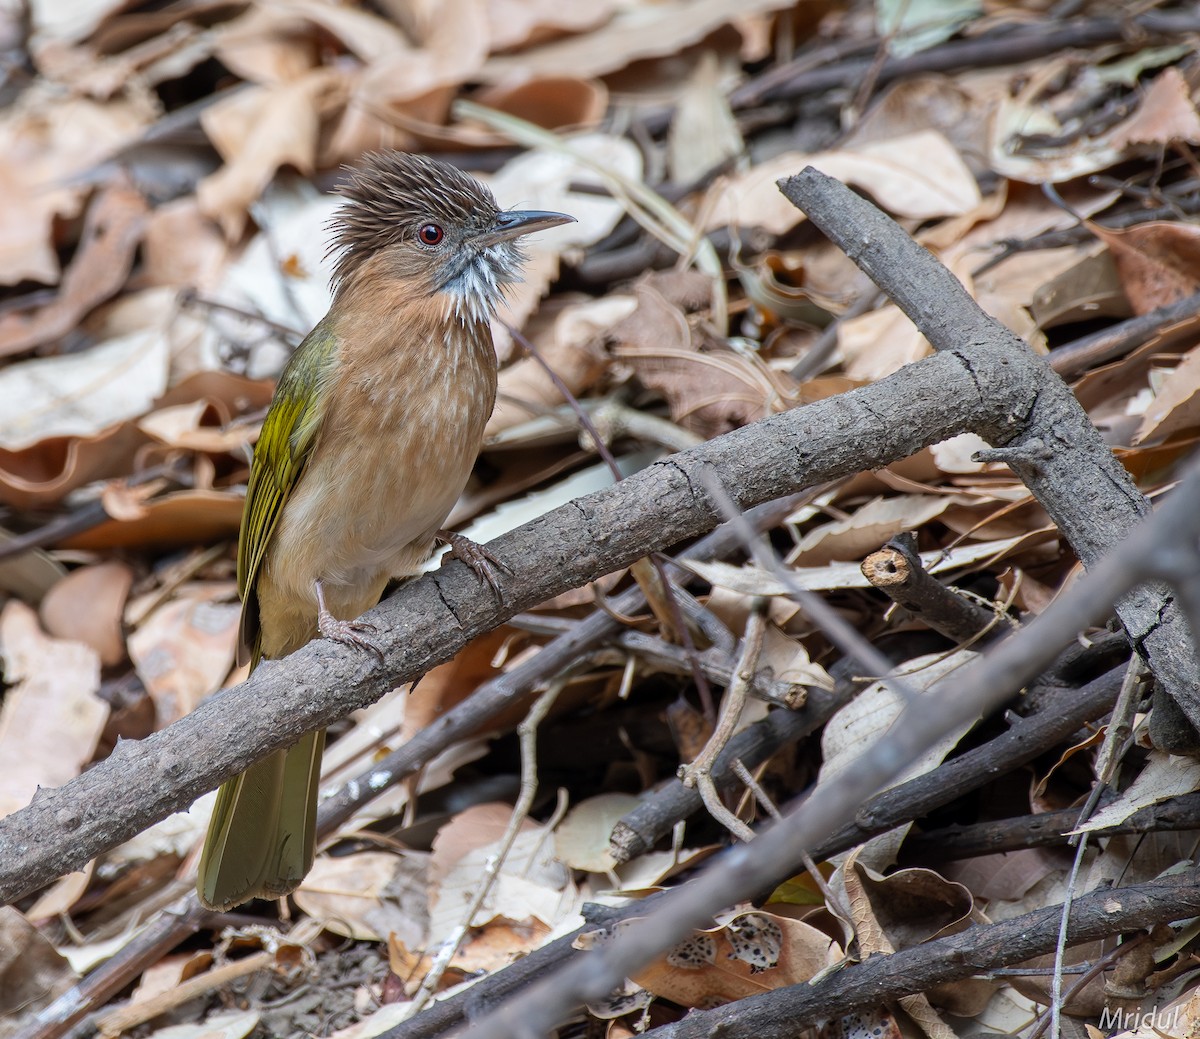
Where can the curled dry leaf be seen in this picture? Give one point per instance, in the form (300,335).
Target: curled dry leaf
(1164,776)
(1176,404)
(104,587)
(530,885)
(581,839)
(521,23)
(284,272)
(79,395)
(420,78)
(709,387)
(753,952)
(1166,114)
(634,31)
(541,179)
(867,528)
(226,1024)
(47,138)
(51,718)
(115,223)
(256,131)
(751,580)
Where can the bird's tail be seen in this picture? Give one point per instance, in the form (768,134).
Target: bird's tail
(263,830)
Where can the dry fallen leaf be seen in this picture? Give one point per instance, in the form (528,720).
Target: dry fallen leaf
(635,31)
(347,894)
(184,649)
(1157,261)
(51,719)
(257,130)
(752,953)
(115,223)
(104,587)
(920,175)
(32,973)
(1166,114)
(1176,404)
(520,23)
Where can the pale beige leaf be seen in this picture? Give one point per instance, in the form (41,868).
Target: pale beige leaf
(284,274)
(789,661)
(868,528)
(70,19)
(387,1017)
(342,892)
(751,580)
(869,715)
(878,343)
(184,650)
(635,31)
(530,885)
(581,839)
(46,138)
(920,175)
(81,394)
(1166,114)
(748,954)
(519,23)
(28,575)
(956,455)
(1162,777)
(226,1024)
(571,350)
(1176,403)
(257,130)
(60,896)
(51,718)
(114,225)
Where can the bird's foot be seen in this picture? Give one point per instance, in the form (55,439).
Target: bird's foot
(482,563)
(354,634)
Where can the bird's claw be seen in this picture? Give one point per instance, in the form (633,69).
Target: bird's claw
(349,633)
(482,563)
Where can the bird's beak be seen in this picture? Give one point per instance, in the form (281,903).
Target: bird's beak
(514,223)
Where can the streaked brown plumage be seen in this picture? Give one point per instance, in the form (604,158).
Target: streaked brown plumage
(370,438)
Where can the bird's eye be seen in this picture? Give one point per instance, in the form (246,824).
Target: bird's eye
(430,234)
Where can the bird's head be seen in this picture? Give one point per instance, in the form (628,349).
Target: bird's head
(412,218)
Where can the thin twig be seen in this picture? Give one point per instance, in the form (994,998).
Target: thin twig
(835,628)
(527,735)
(667,586)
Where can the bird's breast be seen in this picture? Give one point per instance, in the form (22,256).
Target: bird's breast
(400,435)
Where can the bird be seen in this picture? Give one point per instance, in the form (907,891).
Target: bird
(373,430)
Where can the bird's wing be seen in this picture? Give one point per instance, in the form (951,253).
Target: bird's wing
(288,434)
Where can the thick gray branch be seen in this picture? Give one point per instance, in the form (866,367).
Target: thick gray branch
(989,384)
(429,620)
(1052,445)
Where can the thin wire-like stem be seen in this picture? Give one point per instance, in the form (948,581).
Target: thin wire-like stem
(527,736)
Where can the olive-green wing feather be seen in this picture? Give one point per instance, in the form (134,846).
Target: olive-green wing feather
(288,434)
